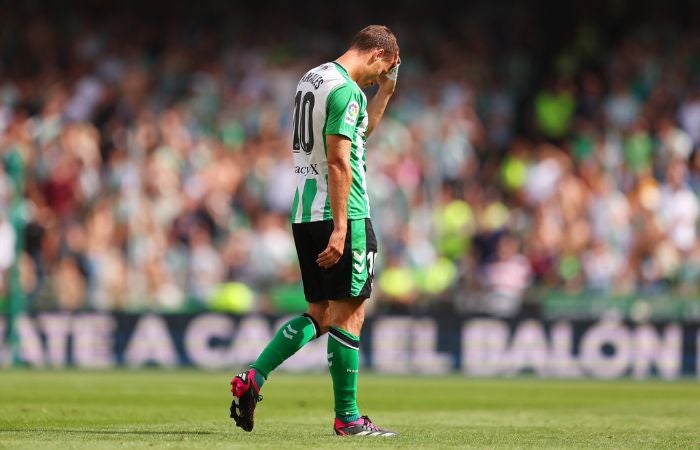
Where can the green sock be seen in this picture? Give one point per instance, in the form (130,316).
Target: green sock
(292,336)
(344,363)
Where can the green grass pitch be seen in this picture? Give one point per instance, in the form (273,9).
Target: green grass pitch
(189,409)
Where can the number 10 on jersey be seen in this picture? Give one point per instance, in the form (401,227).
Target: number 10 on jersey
(303,122)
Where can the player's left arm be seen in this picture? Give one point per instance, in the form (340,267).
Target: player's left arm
(377,105)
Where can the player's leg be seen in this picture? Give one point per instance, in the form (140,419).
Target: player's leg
(350,282)
(347,317)
(292,336)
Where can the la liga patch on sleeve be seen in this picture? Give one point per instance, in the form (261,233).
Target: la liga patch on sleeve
(351,113)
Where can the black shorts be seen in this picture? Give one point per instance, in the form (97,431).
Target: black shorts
(351,276)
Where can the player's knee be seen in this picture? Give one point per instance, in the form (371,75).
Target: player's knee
(358,317)
(348,315)
(324,322)
(320,312)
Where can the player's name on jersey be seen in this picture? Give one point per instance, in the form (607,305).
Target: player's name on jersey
(314,78)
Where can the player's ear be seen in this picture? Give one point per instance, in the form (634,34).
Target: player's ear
(379,53)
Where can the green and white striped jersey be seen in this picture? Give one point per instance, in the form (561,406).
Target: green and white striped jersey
(327,102)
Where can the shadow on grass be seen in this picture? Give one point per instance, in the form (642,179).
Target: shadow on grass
(69,430)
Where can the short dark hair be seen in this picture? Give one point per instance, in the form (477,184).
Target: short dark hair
(376,36)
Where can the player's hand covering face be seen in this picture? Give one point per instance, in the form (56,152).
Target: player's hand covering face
(387,79)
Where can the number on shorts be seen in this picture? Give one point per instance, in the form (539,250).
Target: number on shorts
(370,263)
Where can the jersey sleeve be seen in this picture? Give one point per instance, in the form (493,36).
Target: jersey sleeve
(344,105)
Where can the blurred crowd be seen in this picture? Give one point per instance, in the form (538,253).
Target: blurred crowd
(157,170)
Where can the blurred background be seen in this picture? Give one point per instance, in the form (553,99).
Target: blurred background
(538,159)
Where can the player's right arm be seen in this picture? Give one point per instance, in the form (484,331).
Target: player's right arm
(341,121)
(339,179)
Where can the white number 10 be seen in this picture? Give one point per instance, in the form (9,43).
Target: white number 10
(370,262)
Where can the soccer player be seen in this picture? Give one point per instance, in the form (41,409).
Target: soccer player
(331,224)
